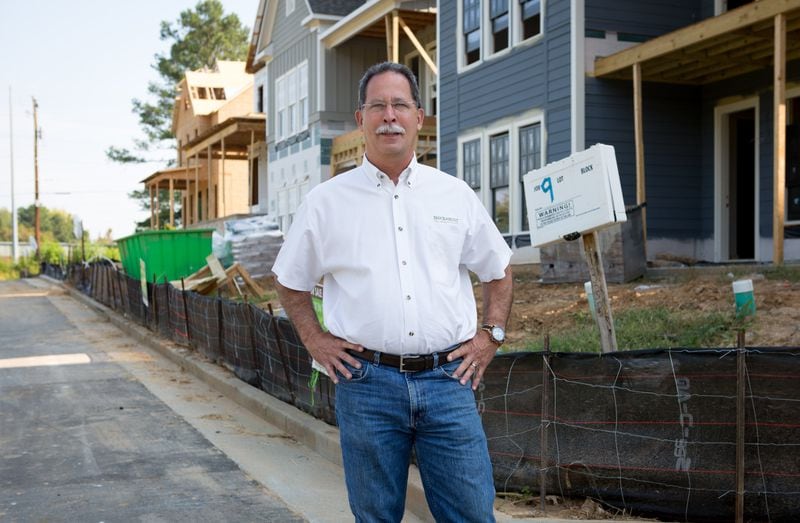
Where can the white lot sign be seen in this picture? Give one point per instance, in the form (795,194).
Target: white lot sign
(574,196)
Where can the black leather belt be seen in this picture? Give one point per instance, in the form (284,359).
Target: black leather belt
(405,362)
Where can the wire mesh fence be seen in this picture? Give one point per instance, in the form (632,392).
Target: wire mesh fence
(671,433)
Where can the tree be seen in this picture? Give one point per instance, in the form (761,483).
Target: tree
(199,37)
(54,225)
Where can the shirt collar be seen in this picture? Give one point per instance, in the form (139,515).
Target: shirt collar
(409,176)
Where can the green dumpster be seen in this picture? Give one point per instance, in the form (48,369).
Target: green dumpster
(170,254)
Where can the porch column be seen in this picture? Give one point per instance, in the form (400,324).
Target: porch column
(152,208)
(779,140)
(157,209)
(250,153)
(395,36)
(638,131)
(222,181)
(197,201)
(211,191)
(171,203)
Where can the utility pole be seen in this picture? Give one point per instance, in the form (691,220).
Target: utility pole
(14,226)
(36,173)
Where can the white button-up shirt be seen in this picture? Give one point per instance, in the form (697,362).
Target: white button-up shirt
(394,258)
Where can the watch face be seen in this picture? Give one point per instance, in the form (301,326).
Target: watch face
(498,333)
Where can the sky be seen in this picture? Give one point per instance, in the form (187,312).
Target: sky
(83,61)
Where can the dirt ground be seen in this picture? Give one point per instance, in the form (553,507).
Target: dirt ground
(539,308)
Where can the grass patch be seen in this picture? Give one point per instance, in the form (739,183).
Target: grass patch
(646,328)
(7,270)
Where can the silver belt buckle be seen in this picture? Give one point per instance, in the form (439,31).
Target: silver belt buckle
(404,357)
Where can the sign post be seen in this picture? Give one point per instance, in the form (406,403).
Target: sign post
(576,197)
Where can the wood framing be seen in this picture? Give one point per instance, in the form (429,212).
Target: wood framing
(720,47)
(779,133)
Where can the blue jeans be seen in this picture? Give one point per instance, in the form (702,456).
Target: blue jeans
(383,414)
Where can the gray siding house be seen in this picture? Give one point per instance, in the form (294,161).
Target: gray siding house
(307,57)
(527,82)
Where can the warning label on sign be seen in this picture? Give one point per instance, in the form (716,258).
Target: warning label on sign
(555,213)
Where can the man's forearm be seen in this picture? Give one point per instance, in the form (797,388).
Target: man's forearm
(497,295)
(298,307)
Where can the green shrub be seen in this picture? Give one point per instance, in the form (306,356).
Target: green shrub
(7,270)
(52,253)
(27,266)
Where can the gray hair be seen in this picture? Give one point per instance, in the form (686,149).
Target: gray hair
(385,67)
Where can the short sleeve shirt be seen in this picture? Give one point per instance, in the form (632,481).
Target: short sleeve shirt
(394,259)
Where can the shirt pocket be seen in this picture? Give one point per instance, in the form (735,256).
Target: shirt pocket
(444,242)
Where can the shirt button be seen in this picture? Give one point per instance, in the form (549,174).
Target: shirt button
(396,197)
(408,297)
(411,333)
(400,228)
(404,262)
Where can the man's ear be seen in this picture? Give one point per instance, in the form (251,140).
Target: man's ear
(420,117)
(359,119)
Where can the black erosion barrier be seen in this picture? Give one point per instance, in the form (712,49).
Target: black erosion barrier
(673,434)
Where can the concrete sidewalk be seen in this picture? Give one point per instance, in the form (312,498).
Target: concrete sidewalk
(314,434)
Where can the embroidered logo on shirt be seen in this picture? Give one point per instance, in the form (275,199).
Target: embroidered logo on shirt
(445,220)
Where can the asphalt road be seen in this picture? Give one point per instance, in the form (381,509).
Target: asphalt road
(84,435)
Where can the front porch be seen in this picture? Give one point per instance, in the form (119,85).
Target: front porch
(759,37)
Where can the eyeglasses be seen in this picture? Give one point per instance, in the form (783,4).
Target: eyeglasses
(400,106)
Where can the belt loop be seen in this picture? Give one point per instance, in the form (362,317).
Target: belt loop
(376,358)
(435,360)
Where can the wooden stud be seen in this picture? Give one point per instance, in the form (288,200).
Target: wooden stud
(422,52)
(608,337)
(395,37)
(779,139)
(741,381)
(638,129)
(171,203)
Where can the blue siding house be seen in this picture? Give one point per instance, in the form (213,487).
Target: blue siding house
(683,89)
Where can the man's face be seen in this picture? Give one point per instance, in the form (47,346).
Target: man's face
(389,119)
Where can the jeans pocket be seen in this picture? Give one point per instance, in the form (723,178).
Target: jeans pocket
(448,369)
(358,374)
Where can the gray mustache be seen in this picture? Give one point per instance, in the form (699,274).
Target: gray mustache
(390,128)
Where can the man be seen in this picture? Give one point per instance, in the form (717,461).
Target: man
(393,241)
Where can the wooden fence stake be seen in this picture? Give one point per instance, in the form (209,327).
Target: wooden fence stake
(252,319)
(544,424)
(741,385)
(167,288)
(284,360)
(186,314)
(608,338)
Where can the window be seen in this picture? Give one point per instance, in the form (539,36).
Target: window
(793,161)
(472,31)
(498,13)
(498,181)
(488,27)
(254,181)
(218,92)
(530,158)
(291,102)
(530,18)
(280,107)
(493,161)
(303,95)
(260,99)
(472,164)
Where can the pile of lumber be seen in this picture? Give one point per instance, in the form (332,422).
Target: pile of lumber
(213,277)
